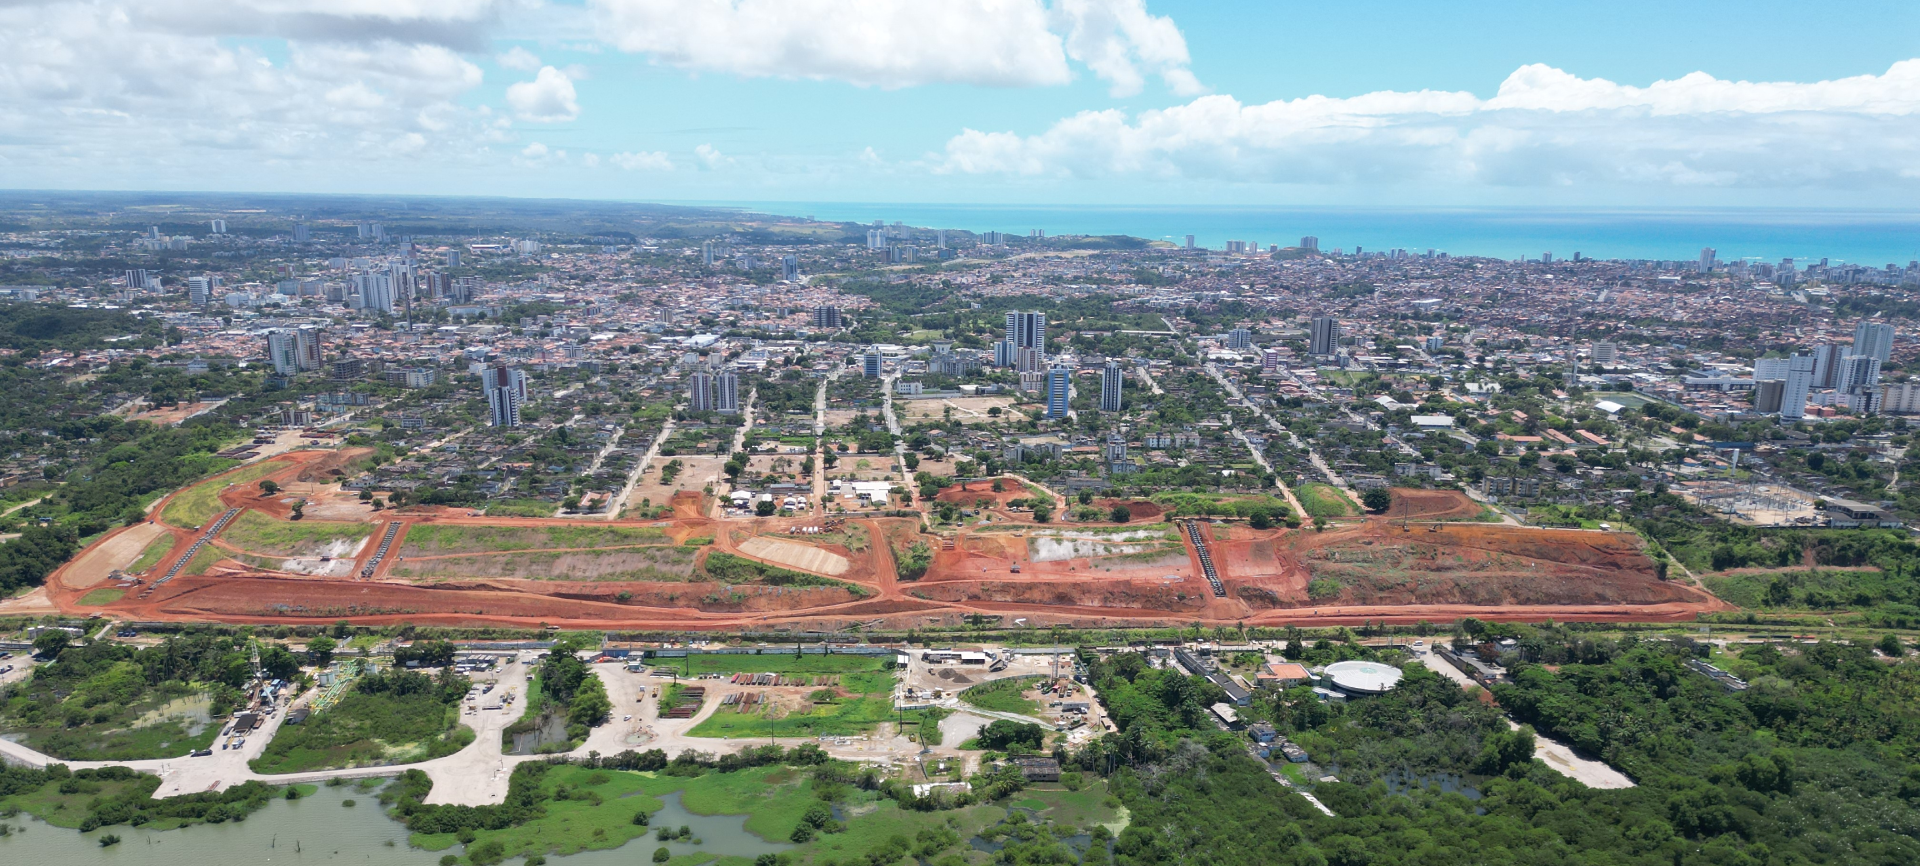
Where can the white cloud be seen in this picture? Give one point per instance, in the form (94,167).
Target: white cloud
(192,84)
(903,43)
(710,158)
(1543,127)
(518,58)
(548,98)
(590,160)
(642,161)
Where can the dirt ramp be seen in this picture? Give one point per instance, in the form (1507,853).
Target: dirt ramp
(1414,503)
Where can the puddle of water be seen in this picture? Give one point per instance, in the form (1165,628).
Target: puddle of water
(549,729)
(723,835)
(195,712)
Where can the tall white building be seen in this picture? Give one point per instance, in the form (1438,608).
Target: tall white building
(726,392)
(218,227)
(1027,329)
(1826,363)
(281,352)
(1707,256)
(1112,378)
(1310,243)
(1799,379)
(506,389)
(700,392)
(376,291)
(1325,337)
(199,290)
(790,268)
(1059,391)
(1605,352)
(1857,372)
(1874,340)
(1900,399)
(1240,338)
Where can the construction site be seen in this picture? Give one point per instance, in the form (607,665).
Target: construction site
(299,549)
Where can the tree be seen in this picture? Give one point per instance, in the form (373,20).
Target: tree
(1260,520)
(1377,499)
(1042,509)
(1119,514)
(51,642)
(590,705)
(1891,647)
(320,650)
(764,508)
(268,487)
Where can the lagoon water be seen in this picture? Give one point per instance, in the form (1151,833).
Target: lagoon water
(1869,237)
(319,831)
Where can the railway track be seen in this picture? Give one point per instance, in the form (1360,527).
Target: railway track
(386,543)
(192,549)
(1206,558)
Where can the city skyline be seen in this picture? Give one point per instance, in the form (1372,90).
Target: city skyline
(1090,101)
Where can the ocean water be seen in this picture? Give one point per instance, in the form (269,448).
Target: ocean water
(1870,237)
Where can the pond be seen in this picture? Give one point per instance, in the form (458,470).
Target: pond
(318,830)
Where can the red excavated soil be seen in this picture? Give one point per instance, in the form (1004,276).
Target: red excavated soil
(1379,569)
(973,491)
(1413,503)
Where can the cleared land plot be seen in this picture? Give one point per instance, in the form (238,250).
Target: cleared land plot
(439,540)
(1147,543)
(972,410)
(258,533)
(200,503)
(793,554)
(658,562)
(154,552)
(120,551)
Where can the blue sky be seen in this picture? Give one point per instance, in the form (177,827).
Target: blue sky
(982,101)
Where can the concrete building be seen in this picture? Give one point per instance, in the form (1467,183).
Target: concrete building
(790,268)
(1325,336)
(1239,339)
(872,364)
(726,392)
(1027,329)
(826,317)
(700,392)
(1059,391)
(506,389)
(1873,340)
(1112,378)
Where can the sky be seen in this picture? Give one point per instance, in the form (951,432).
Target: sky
(1369,102)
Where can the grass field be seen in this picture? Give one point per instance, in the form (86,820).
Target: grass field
(777,663)
(151,556)
(259,533)
(200,503)
(1325,500)
(203,560)
(1003,695)
(106,595)
(832,718)
(654,563)
(434,539)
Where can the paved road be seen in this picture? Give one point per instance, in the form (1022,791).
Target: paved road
(619,503)
(1554,753)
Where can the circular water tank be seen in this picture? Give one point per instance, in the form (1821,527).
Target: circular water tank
(1363,678)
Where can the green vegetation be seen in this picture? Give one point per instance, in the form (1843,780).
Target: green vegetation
(829,715)
(1272,509)
(666,563)
(912,563)
(259,533)
(727,568)
(105,595)
(110,702)
(395,716)
(203,559)
(521,508)
(200,504)
(155,551)
(435,539)
(1325,500)
(777,663)
(1003,695)
(87,800)
(567,684)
